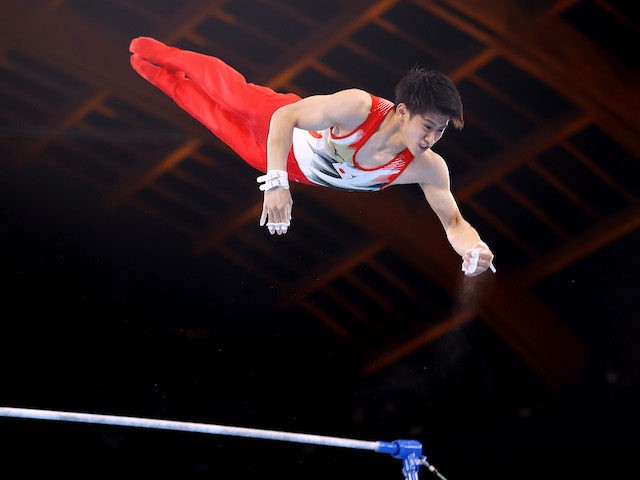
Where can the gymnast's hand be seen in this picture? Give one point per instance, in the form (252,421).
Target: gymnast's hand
(276,210)
(478,259)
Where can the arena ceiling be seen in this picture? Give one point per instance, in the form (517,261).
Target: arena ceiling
(109,188)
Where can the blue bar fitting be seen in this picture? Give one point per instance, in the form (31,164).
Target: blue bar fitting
(409,451)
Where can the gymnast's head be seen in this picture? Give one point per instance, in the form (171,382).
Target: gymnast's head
(426,91)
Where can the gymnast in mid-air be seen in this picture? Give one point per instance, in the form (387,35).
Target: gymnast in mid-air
(349,140)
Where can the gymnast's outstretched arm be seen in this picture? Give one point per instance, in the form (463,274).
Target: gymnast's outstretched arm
(465,240)
(344,111)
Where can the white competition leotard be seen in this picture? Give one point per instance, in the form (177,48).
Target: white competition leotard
(329,160)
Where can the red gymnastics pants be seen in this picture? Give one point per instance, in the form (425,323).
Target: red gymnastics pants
(237,112)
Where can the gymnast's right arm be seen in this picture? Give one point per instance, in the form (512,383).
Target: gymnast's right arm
(344,110)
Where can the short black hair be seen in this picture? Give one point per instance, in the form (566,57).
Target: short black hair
(424,91)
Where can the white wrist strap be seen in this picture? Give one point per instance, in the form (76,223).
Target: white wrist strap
(274,179)
(473,260)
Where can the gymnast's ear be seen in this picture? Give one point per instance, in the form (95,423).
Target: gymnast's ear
(402,111)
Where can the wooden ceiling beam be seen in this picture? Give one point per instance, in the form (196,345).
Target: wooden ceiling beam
(338,266)
(60,37)
(61,122)
(598,237)
(326,37)
(517,316)
(218,232)
(417,341)
(519,153)
(147,173)
(558,55)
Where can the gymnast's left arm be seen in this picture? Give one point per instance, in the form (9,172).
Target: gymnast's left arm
(465,240)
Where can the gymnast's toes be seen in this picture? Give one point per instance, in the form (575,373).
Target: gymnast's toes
(148,48)
(143,67)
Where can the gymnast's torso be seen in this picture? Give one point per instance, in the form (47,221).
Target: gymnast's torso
(331,160)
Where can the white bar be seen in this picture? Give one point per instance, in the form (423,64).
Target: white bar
(186,427)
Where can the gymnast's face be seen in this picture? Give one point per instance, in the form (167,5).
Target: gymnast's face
(421,131)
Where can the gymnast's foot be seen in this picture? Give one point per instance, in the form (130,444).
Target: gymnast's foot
(150,49)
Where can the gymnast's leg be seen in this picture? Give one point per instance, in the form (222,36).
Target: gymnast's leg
(215,94)
(224,85)
(195,101)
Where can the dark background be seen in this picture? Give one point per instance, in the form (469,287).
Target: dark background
(137,281)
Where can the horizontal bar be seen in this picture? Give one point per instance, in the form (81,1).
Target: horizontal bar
(126,421)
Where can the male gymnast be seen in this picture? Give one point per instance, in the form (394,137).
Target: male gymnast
(349,140)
